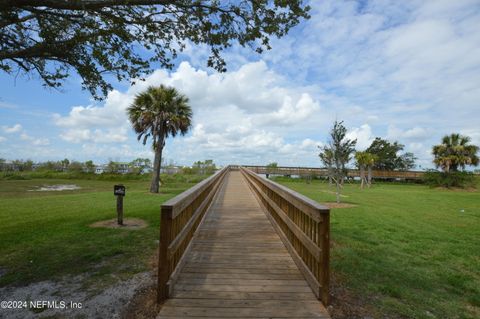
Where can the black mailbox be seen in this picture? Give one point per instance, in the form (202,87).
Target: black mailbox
(119,190)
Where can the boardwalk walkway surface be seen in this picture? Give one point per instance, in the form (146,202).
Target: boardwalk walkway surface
(238,267)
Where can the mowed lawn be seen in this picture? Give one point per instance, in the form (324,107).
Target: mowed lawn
(45,235)
(405,251)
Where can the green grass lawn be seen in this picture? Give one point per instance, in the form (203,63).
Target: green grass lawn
(408,250)
(44,235)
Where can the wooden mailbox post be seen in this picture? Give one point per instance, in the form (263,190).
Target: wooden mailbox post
(119,191)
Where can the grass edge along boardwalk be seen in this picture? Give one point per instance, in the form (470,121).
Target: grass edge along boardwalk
(238,267)
(402,250)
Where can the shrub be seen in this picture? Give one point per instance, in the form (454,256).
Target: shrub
(45,174)
(450,179)
(13,176)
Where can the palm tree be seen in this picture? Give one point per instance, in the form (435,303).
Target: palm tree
(362,160)
(371,160)
(455,152)
(365,160)
(157,113)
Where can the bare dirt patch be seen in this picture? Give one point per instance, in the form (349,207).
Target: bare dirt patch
(344,304)
(56,188)
(458,189)
(108,303)
(338,205)
(143,305)
(333,193)
(128,223)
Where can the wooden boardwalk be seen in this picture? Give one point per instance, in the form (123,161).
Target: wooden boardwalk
(238,267)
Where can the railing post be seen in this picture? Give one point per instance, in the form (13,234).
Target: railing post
(163,260)
(325,260)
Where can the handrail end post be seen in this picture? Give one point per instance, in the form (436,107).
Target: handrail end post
(325,277)
(324,296)
(162,292)
(163,259)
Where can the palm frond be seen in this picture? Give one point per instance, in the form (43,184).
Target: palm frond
(160,112)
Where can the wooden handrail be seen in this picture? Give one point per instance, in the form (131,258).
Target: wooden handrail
(315,171)
(180,217)
(302,224)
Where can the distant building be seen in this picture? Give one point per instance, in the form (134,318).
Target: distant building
(147,170)
(10,166)
(170,170)
(143,167)
(122,167)
(99,169)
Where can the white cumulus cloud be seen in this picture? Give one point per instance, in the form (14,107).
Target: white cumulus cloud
(36,141)
(13,129)
(240,113)
(363,135)
(106,123)
(412,134)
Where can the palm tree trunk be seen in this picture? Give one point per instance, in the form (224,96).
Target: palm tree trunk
(369,179)
(154,187)
(157,164)
(362,176)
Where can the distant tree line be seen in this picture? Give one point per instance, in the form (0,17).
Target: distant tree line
(453,155)
(205,167)
(138,166)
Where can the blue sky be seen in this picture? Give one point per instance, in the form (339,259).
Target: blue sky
(403,70)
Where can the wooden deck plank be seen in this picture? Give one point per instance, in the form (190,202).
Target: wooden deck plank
(233,303)
(221,270)
(241,288)
(280,297)
(241,312)
(263,276)
(238,267)
(244,282)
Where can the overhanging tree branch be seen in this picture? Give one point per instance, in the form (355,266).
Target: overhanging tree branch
(92,37)
(79,4)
